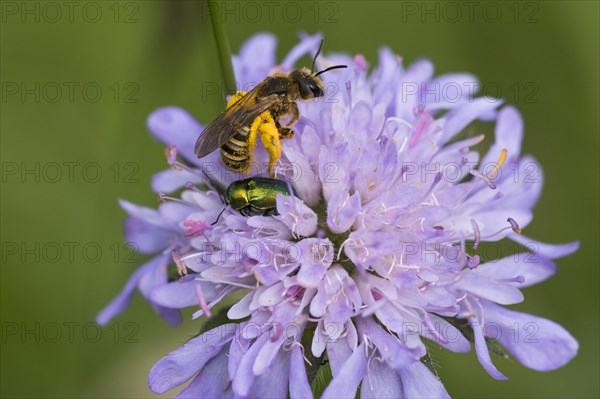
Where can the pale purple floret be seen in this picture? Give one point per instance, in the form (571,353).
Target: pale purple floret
(378,248)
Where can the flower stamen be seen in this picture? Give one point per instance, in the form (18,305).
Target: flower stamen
(171,155)
(432,328)
(227,282)
(202,301)
(162,197)
(436,180)
(498,164)
(191,186)
(195,228)
(349,92)
(483,177)
(181,267)
(473,261)
(477,233)
(514,225)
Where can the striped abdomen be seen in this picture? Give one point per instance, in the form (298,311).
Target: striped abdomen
(235,153)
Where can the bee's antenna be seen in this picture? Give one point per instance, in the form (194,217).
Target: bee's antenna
(312,69)
(330,68)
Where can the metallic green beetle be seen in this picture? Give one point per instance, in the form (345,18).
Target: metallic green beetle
(255,196)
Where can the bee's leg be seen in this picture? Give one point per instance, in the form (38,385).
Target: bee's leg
(252,136)
(285,132)
(269,135)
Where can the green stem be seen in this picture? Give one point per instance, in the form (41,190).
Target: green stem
(223,47)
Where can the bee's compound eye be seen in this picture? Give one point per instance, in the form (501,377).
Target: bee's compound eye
(316,90)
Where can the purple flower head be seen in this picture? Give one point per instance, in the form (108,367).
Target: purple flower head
(377,252)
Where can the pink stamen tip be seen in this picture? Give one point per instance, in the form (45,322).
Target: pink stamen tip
(349,92)
(277,330)
(202,301)
(423,122)
(361,61)
(514,225)
(418,110)
(181,268)
(195,228)
(473,261)
(291,292)
(376,295)
(296,291)
(477,233)
(162,197)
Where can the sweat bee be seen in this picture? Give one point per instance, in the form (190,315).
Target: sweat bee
(260,111)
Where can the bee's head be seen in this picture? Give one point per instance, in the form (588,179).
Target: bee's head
(309,85)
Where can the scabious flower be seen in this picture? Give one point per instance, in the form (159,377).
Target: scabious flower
(377,254)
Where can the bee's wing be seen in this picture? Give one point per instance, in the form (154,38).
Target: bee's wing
(241,113)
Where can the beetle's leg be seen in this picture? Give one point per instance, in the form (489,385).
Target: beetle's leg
(218,217)
(271,212)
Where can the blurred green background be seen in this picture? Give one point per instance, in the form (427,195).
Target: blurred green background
(79,79)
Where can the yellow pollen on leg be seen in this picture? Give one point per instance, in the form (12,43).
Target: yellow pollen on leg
(254,128)
(269,135)
(233,99)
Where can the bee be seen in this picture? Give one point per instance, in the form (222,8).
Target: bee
(260,111)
